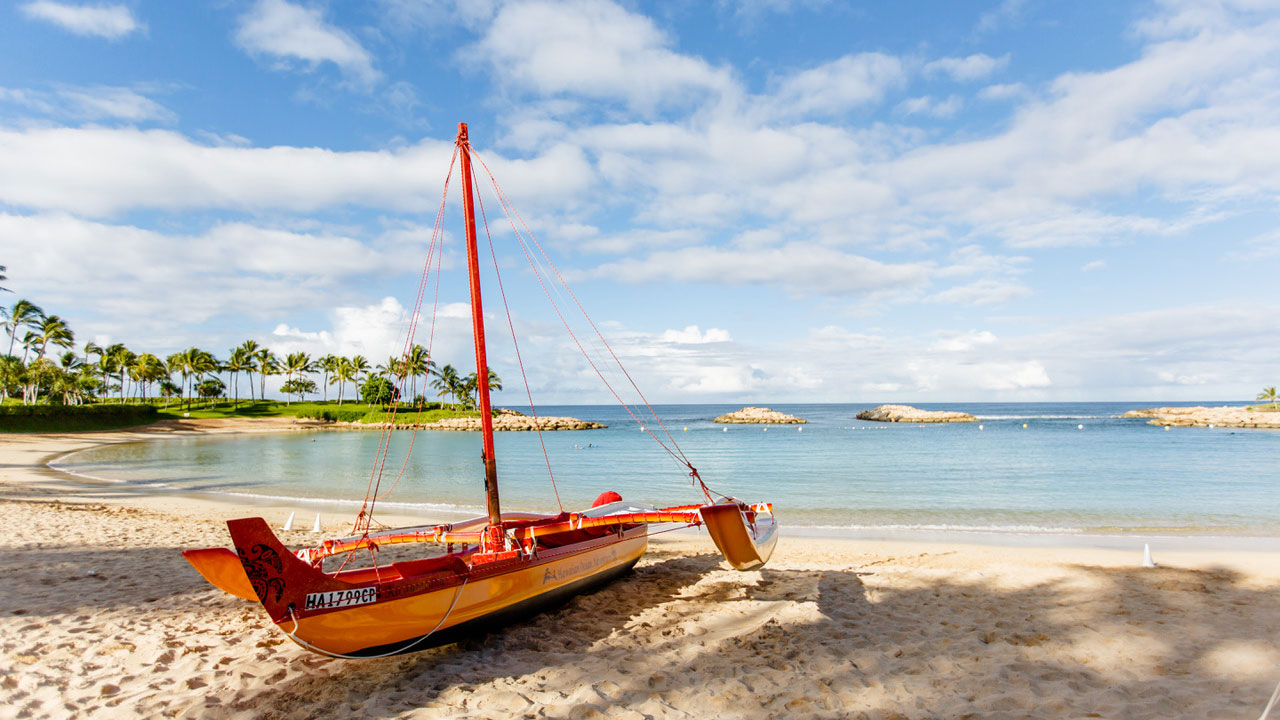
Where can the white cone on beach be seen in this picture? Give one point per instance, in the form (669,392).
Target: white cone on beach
(1146,556)
(288,524)
(316,528)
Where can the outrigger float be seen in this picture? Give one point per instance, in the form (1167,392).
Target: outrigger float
(476,574)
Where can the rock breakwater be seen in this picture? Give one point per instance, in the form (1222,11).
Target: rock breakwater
(759,416)
(908,414)
(1200,416)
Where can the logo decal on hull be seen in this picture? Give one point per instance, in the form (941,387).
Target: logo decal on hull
(263,567)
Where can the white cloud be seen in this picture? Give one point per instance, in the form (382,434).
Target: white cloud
(964,342)
(966,69)
(162,288)
(1093,265)
(291,32)
(837,86)
(1008,13)
(797,267)
(89,103)
(594,49)
(692,335)
(933,107)
(107,21)
(982,292)
(102,171)
(1002,92)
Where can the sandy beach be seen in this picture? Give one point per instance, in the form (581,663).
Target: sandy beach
(101,617)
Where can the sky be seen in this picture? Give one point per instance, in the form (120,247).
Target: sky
(763,201)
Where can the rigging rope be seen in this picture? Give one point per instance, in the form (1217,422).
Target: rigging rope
(678,453)
(533,410)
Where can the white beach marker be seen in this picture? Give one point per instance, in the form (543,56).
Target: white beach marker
(1146,556)
(288,524)
(316,528)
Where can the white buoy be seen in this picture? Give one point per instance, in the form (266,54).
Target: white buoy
(316,528)
(799,429)
(766,429)
(288,524)
(1146,556)
(1079,427)
(643,428)
(1166,427)
(980,427)
(726,429)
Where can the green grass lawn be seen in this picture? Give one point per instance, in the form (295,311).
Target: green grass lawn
(14,417)
(346,412)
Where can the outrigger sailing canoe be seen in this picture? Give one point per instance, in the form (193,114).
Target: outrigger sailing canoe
(492,569)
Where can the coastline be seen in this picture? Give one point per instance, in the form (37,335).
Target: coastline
(101,616)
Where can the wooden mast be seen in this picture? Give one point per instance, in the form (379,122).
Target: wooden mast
(477,325)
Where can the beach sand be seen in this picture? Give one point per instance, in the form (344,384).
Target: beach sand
(101,617)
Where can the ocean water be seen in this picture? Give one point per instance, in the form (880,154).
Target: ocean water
(1074,468)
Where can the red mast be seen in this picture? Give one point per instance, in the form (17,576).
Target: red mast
(482,362)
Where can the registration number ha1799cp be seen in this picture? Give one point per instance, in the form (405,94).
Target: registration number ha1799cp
(342,598)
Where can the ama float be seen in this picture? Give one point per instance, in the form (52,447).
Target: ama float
(460,579)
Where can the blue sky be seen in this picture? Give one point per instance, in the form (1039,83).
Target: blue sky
(761,201)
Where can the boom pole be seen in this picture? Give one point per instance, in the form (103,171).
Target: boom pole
(477,325)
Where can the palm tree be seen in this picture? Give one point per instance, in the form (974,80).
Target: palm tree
(175,363)
(3,278)
(389,369)
(200,363)
(472,382)
(91,348)
(53,329)
(448,382)
(342,374)
(327,364)
(297,364)
(360,364)
(1269,394)
(268,364)
(123,360)
(239,361)
(22,314)
(71,366)
(146,370)
(418,362)
(250,349)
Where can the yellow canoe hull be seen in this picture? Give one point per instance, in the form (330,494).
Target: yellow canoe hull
(395,610)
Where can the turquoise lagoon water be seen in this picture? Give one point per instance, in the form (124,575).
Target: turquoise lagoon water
(1074,468)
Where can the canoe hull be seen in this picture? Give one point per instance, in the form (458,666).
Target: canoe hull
(387,613)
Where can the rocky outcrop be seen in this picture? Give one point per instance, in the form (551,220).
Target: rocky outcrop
(760,416)
(908,414)
(1225,416)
